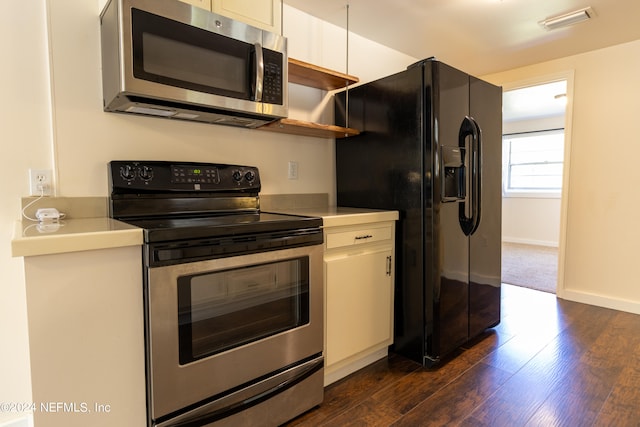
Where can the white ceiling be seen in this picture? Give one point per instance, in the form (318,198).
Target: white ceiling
(481,36)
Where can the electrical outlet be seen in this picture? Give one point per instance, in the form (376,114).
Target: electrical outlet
(40,182)
(293,170)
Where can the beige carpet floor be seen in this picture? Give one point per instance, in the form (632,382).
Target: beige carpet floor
(530,266)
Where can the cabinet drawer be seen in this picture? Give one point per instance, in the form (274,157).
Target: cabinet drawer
(358,236)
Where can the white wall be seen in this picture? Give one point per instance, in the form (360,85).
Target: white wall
(601,239)
(25,142)
(61,126)
(529,220)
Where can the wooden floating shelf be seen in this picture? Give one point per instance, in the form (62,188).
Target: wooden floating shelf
(298,127)
(310,75)
(306,74)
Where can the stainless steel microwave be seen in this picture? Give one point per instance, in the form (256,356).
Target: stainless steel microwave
(169,59)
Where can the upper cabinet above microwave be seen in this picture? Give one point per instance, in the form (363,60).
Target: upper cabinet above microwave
(265,14)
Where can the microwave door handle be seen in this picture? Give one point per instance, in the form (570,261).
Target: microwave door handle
(259,72)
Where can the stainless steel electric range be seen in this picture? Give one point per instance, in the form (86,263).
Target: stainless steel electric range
(233,296)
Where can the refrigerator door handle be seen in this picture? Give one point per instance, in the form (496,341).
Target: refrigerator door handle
(469,127)
(476,175)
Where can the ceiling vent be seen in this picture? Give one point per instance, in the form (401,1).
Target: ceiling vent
(568,18)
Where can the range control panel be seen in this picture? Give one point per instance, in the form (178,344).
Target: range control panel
(126,176)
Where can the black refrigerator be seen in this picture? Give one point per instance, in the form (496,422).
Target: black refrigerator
(430,147)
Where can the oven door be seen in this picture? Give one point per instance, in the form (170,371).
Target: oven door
(222,325)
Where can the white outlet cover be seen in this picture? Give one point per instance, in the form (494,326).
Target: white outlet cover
(40,177)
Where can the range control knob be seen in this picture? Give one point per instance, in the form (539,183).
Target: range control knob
(250,176)
(146,173)
(237,175)
(127,173)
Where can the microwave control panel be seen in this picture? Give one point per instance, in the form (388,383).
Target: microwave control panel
(273,77)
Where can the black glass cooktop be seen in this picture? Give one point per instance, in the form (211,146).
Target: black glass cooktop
(172,228)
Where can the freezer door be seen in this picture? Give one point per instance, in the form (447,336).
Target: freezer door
(451,281)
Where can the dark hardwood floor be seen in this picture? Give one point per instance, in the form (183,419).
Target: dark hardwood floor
(549,363)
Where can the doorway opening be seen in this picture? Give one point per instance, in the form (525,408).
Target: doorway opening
(535,159)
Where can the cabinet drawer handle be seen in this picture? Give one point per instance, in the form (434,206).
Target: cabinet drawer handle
(367,236)
(388,266)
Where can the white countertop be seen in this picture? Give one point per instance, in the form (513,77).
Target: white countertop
(335,216)
(73,235)
(83,234)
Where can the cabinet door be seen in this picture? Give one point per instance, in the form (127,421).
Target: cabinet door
(264,14)
(358,303)
(205,4)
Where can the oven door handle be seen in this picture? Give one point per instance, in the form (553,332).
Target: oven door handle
(246,397)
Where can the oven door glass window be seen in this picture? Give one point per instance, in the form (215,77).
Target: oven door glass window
(224,309)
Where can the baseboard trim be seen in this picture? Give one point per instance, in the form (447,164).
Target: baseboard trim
(600,300)
(345,368)
(530,242)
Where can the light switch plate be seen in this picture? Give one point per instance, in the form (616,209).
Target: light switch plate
(293,170)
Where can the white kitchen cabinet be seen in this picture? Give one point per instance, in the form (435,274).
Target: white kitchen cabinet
(359,278)
(86,337)
(264,14)
(204,4)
